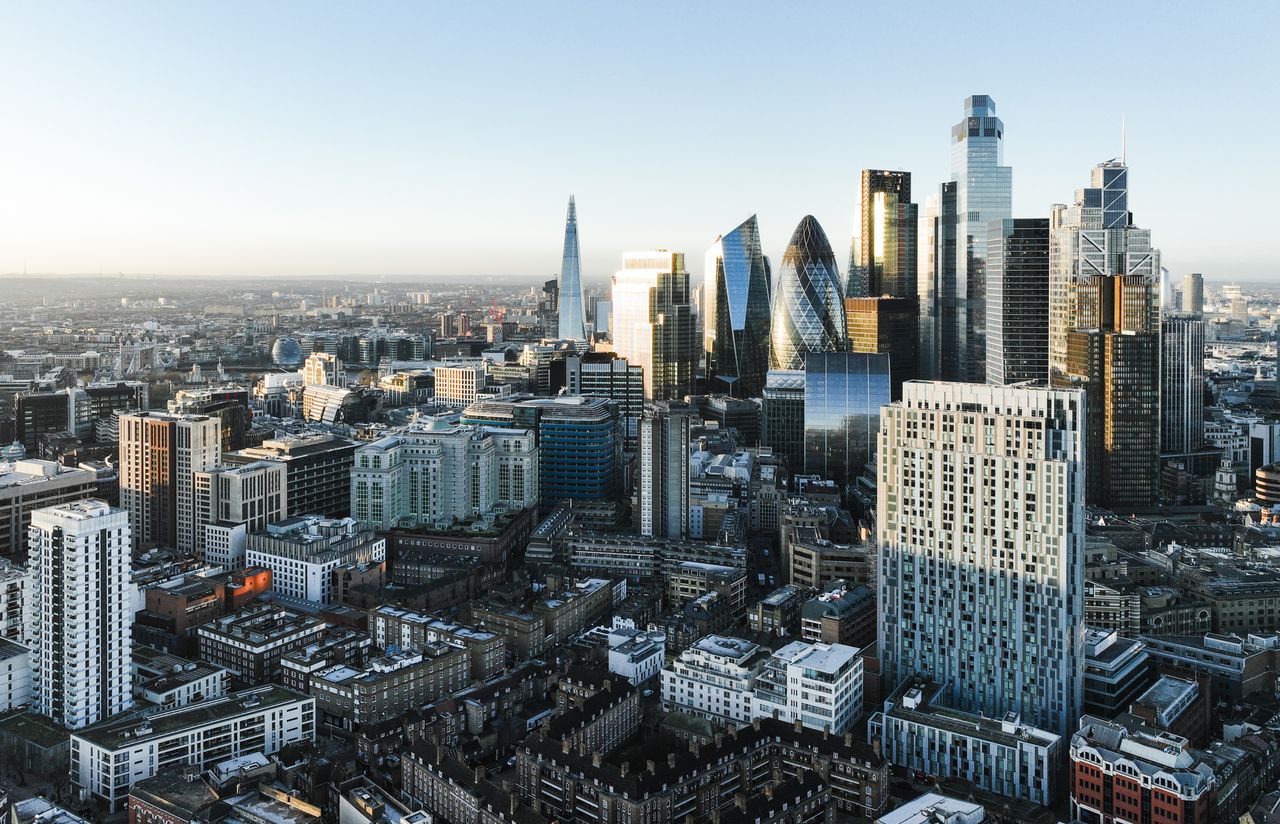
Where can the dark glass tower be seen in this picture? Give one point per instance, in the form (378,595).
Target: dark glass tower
(735,312)
(1018,300)
(843,393)
(887,244)
(808,306)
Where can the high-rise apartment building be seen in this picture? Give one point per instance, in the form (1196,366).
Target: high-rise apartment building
(251,495)
(808,304)
(1094,237)
(1114,356)
(572,322)
(323,369)
(843,393)
(159,456)
(1018,300)
(662,489)
(80,613)
(1181,382)
(735,312)
(1193,293)
(955,254)
(652,321)
(434,471)
(980,526)
(887,255)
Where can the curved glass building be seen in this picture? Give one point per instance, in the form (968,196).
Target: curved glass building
(735,311)
(808,305)
(572,325)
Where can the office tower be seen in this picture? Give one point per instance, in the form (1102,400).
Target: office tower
(604,310)
(436,472)
(1193,293)
(1181,382)
(843,393)
(653,321)
(230,405)
(323,369)
(37,414)
(605,375)
(318,470)
(1095,237)
(735,312)
(887,326)
(808,305)
(782,416)
(1114,355)
(886,262)
(980,191)
(662,490)
(548,310)
(579,442)
(571,321)
(980,525)
(159,454)
(251,495)
(458,385)
(80,613)
(1018,300)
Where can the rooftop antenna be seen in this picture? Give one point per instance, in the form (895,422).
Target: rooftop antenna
(1124,142)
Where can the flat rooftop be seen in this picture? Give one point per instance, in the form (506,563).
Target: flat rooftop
(111,734)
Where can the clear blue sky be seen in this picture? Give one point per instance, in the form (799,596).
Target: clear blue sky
(293,138)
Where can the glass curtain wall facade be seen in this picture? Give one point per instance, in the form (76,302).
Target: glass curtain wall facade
(652,321)
(1018,300)
(887,253)
(571,320)
(808,306)
(843,393)
(1181,382)
(735,311)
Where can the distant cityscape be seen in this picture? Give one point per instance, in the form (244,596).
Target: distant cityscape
(975,520)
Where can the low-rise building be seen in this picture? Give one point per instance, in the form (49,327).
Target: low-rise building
(778,613)
(637,655)
(251,643)
(449,791)
(819,685)
(1115,671)
(389,686)
(714,679)
(303,552)
(690,579)
(932,808)
(15,675)
(1000,755)
(842,614)
(109,758)
(338,645)
(393,628)
(169,681)
(601,722)
(1237,666)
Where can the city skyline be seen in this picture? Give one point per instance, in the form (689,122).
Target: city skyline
(143,149)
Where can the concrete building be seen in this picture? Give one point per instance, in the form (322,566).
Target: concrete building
(169,681)
(459,385)
(662,488)
(15,676)
(80,613)
(251,643)
(714,679)
(635,654)
(395,629)
(13,598)
(317,471)
(1116,671)
(981,533)
(323,369)
(250,495)
(302,553)
(842,614)
(389,686)
(28,485)
(108,759)
(159,456)
(932,808)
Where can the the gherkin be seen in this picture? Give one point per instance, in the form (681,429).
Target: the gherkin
(808,303)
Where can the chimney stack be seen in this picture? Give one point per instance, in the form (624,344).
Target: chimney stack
(755,723)
(479,773)
(848,739)
(768,791)
(740,801)
(799,725)
(826,730)
(650,766)
(565,746)
(595,759)
(626,768)
(671,760)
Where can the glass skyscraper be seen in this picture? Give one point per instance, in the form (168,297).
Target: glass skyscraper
(735,312)
(886,260)
(843,393)
(808,305)
(1181,382)
(1018,300)
(572,321)
(652,321)
(980,191)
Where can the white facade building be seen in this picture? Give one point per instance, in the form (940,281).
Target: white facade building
(303,552)
(323,369)
(714,679)
(635,654)
(438,471)
(13,589)
(819,685)
(110,758)
(981,533)
(79,613)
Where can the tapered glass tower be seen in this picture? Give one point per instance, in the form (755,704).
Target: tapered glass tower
(808,307)
(735,311)
(572,325)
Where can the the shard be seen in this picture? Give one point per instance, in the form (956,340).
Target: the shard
(572,324)
(808,304)
(736,312)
